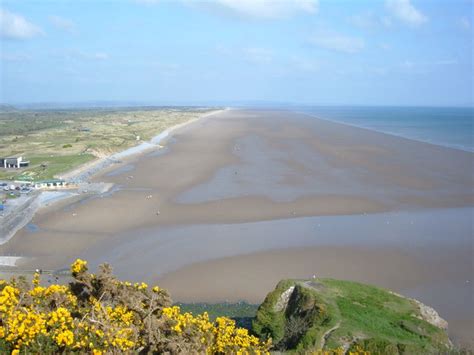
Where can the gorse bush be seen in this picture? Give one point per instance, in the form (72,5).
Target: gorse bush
(100,314)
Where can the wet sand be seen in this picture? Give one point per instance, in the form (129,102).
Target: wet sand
(188,212)
(438,281)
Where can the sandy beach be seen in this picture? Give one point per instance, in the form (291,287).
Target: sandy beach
(241,199)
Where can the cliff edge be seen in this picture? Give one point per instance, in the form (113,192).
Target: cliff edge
(327,314)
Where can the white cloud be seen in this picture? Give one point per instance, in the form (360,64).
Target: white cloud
(370,20)
(14,57)
(75,54)
(305,64)
(464,23)
(365,20)
(147,2)
(404,11)
(426,64)
(266,9)
(338,42)
(63,24)
(100,56)
(258,55)
(13,26)
(263,9)
(269,8)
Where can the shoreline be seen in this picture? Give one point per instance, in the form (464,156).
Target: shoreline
(307,198)
(392,134)
(239,182)
(85,172)
(21,216)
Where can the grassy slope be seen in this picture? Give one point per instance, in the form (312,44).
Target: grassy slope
(58,140)
(347,313)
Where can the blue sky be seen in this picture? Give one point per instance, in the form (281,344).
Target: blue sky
(385,52)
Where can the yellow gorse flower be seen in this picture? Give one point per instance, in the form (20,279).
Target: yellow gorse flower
(78,266)
(221,337)
(98,314)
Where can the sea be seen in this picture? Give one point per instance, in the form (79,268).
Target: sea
(447,126)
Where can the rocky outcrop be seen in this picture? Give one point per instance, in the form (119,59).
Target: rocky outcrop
(430,315)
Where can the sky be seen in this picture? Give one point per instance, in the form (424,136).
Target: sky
(185,52)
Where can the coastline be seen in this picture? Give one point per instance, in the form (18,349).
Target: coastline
(85,172)
(246,182)
(20,217)
(233,169)
(390,133)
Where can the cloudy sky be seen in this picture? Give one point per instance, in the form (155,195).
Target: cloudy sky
(383,52)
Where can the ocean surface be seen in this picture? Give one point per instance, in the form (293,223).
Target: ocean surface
(447,126)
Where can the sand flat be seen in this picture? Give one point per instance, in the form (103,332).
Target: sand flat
(251,165)
(243,182)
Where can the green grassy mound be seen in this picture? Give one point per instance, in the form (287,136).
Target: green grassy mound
(331,314)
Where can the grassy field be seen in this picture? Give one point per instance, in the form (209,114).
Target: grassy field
(59,140)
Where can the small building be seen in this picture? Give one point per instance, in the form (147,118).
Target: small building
(50,184)
(13,163)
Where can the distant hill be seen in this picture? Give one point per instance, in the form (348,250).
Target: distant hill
(7,108)
(326,314)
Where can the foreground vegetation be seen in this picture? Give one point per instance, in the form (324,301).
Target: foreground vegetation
(100,314)
(97,313)
(242,313)
(56,141)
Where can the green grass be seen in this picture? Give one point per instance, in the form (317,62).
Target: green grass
(377,313)
(46,167)
(10,196)
(65,139)
(55,165)
(358,314)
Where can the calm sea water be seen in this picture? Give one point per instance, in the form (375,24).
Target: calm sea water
(447,126)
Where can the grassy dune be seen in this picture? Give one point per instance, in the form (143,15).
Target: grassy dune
(58,141)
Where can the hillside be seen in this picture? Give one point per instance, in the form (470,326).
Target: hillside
(331,314)
(7,108)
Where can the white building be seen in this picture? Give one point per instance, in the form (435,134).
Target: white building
(13,162)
